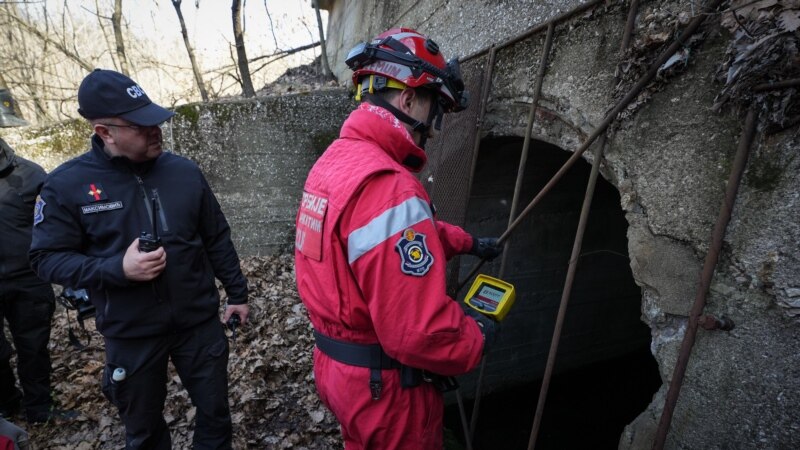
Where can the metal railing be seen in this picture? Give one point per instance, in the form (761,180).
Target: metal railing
(695,315)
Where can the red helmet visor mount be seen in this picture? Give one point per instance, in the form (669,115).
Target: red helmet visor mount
(413,60)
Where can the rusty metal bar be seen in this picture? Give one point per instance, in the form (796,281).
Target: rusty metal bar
(626,35)
(463,413)
(717,235)
(789,122)
(514,203)
(523,159)
(777,85)
(473,422)
(711,323)
(562,309)
(487,88)
(622,104)
(535,29)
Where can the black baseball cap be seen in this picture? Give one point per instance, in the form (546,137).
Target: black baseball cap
(106,93)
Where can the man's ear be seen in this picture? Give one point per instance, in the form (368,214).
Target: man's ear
(407,98)
(104,132)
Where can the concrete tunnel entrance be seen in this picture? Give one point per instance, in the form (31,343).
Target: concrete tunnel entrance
(604,373)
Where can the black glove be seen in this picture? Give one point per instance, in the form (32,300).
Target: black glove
(489,328)
(485,248)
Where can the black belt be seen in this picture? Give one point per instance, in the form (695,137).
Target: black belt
(361,355)
(371,356)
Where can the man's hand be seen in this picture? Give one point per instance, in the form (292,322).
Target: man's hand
(489,328)
(486,247)
(139,266)
(242,310)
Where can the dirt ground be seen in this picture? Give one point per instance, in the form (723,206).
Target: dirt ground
(273,401)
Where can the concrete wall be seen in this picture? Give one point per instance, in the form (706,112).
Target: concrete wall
(255,154)
(459,27)
(669,158)
(49,146)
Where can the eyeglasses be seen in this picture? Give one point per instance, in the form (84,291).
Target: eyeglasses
(132,127)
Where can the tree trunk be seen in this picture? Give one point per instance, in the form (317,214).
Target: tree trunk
(326,68)
(241,54)
(198,77)
(116,21)
(106,39)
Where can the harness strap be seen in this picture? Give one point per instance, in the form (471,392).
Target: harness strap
(361,355)
(371,356)
(415,124)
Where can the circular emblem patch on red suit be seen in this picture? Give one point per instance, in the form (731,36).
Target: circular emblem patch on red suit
(415,258)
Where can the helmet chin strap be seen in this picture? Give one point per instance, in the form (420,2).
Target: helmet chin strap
(422,128)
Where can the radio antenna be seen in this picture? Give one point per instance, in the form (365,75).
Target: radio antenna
(155,215)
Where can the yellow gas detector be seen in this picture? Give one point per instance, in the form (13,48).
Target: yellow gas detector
(491,297)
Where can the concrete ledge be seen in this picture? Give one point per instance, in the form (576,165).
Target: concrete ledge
(256,154)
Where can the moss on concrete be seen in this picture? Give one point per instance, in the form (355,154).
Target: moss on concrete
(225,113)
(190,113)
(51,145)
(321,140)
(765,174)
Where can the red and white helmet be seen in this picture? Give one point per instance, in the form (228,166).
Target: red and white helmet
(412,59)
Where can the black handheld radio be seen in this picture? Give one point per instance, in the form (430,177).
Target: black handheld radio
(150,242)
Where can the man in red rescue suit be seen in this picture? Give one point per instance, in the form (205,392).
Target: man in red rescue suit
(370,256)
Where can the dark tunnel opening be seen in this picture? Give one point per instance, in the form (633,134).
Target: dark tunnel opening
(604,373)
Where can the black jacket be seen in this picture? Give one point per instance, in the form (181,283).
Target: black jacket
(94,206)
(20,183)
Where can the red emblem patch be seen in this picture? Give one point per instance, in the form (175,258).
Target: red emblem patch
(95,192)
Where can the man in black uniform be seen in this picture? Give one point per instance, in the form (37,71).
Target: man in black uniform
(26,302)
(155,300)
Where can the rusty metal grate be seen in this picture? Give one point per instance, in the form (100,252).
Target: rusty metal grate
(448,179)
(447,175)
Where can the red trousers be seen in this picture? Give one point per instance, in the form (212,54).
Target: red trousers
(401,419)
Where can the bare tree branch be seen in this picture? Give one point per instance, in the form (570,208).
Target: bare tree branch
(326,69)
(96,13)
(45,38)
(103,30)
(197,75)
(281,54)
(241,54)
(116,21)
(271,26)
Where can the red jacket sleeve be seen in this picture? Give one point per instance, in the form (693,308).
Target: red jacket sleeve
(398,260)
(454,239)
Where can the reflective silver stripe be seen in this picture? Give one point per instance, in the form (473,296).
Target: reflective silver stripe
(390,222)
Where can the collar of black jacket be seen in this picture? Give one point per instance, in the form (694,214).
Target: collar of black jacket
(120,162)
(7,158)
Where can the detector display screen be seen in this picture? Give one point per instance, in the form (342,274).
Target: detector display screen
(487,297)
(491,297)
